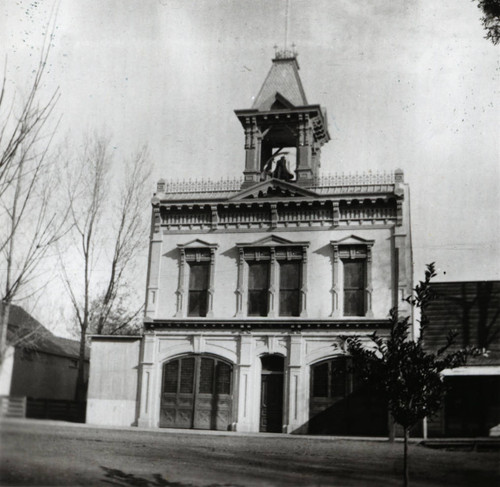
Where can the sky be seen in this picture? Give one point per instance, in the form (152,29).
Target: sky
(408,84)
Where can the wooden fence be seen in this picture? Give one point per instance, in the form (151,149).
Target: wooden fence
(58,409)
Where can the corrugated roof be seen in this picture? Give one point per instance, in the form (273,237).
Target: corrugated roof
(38,338)
(283,79)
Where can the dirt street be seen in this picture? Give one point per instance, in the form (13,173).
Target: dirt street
(38,453)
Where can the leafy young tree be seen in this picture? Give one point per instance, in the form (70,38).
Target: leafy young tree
(407,374)
(491,19)
(109,230)
(29,221)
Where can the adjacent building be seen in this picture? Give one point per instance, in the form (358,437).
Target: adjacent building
(41,368)
(254,285)
(471,309)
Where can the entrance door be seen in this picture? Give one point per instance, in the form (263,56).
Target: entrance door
(271,394)
(196,393)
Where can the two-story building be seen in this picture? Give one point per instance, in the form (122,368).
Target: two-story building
(255,283)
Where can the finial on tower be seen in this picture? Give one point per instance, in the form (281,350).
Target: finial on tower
(286,52)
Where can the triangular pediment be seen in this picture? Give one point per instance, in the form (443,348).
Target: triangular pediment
(281,103)
(197,244)
(352,240)
(271,241)
(274,188)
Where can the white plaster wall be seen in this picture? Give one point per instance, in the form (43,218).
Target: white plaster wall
(320,273)
(6,372)
(114,371)
(244,351)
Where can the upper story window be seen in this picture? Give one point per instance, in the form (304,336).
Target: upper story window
(354,286)
(195,289)
(198,288)
(258,288)
(290,284)
(352,277)
(272,273)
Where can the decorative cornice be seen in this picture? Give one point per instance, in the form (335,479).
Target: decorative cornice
(247,324)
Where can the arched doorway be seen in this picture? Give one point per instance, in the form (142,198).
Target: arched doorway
(197,393)
(341,404)
(271,394)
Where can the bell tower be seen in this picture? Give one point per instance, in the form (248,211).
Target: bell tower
(283,133)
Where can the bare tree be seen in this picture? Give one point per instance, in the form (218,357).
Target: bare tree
(30,225)
(108,232)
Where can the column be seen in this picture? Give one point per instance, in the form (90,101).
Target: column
(335,283)
(298,397)
(245,397)
(147,383)
(211,288)
(303,288)
(181,285)
(240,289)
(369,284)
(273,291)
(252,152)
(304,151)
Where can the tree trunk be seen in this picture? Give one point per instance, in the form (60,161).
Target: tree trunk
(406,473)
(4,326)
(391,426)
(81,393)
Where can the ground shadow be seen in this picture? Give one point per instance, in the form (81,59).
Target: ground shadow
(114,476)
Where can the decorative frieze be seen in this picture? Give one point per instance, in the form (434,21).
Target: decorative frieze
(288,214)
(249,324)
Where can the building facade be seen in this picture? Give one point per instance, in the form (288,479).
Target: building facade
(471,309)
(39,371)
(255,284)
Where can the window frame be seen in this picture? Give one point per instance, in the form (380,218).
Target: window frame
(192,253)
(351,248)
(274,250)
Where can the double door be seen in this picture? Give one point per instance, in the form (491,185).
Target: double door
(197,393)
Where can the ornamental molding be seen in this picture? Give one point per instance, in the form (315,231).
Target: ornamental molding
(273,241)
(273,188)
(352,240)
(197,243)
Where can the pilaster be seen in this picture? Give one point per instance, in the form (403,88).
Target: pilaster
(295,416)
(147,383)
(246,400)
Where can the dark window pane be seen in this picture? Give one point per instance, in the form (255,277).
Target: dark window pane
(320,380)
(290,275)
(257,303)
(206,376)
(289,303)
(198,285)
(198,275)
(258,275)
(290,288)
(354,302)
(170,376)
(223,378)
(258,288)
(187,375)
(354,274)
(354,287)
(198,303)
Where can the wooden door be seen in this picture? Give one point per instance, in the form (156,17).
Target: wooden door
(196,393)
(271,403)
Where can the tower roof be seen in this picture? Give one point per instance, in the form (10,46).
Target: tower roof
(282,84)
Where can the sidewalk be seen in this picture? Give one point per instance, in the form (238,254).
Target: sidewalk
(163,431)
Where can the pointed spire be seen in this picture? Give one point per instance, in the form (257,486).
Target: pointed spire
(283,83)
